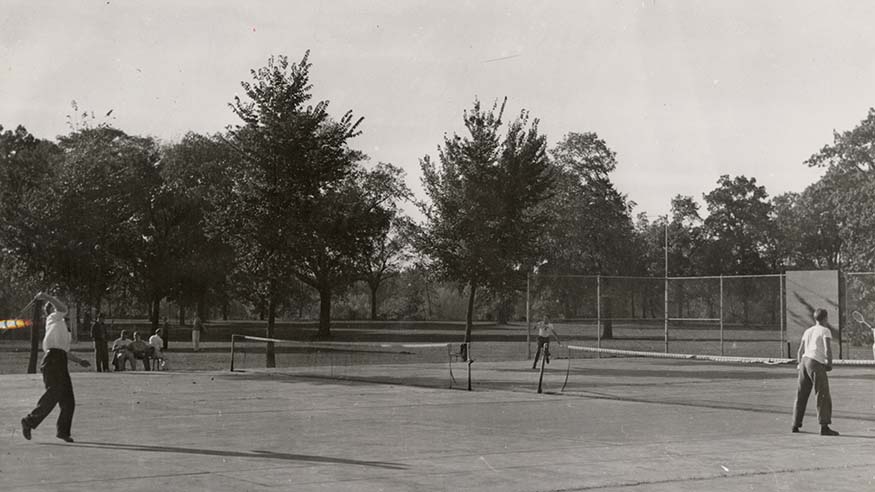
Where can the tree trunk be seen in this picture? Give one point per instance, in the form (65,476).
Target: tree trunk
(374,300)
(469,315)
(181,314)
(607,321)
(324,313)
(155,313)
(427,301)
(34,336)
(503,311)
(271,320)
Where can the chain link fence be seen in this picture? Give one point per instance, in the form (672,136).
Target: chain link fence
(728,315)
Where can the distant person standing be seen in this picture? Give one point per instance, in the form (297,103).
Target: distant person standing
(197,326)
(165,334)
(56,376)
(545,331)
(101,352)
(815,360)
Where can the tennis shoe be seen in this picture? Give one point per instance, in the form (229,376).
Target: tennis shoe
(65,438)
(25,429)
(795,429)
(826,431)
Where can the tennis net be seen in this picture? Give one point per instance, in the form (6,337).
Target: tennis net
(577,370)
(410,364)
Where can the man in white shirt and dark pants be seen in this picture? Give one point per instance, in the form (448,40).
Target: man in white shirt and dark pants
(59,388)
(815,360)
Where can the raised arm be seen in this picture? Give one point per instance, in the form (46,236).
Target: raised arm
(59,306)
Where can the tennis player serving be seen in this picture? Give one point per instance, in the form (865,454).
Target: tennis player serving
(59,388)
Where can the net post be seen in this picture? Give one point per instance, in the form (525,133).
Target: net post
(567,370)
(541,375)
(233,338)
(450,362)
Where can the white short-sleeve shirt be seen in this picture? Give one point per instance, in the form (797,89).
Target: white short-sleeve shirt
(156,341)
(815,340)
(57,336)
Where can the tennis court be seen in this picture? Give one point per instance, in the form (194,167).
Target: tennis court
(621,424)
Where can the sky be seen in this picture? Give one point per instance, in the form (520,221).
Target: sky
(682,91)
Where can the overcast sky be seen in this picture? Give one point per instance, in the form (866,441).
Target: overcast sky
(682,91)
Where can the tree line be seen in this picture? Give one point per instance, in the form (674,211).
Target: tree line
(281,205)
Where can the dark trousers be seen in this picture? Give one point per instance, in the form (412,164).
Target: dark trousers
(143,357)
(59,391)
(812,374)
(101,356)
(545,343)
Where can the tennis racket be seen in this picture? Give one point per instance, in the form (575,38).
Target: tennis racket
(858,317)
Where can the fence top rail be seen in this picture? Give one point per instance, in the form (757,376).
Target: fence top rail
(702,277)
(714,277)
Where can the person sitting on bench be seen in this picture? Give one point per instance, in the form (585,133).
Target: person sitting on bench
(141,350)
(121,352)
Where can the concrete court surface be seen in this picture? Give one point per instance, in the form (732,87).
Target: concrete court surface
(621,425)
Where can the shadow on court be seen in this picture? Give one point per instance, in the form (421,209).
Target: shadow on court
(271,455)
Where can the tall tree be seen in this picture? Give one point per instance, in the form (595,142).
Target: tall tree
(740,226)
(592,230)
(488,203)
(847,188)
(193,174)
(292,154)
(121,222)
(352,215)
(808,231)
(387,254)
(27,165)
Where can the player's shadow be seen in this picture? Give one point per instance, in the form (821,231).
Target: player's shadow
(234,454)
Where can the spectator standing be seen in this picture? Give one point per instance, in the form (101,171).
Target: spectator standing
(101,352)
(197,327)
(165,334)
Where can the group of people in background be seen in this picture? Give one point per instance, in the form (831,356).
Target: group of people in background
(124,349)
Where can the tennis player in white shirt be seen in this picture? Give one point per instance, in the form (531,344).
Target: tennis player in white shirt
(59,388)
(815,360)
